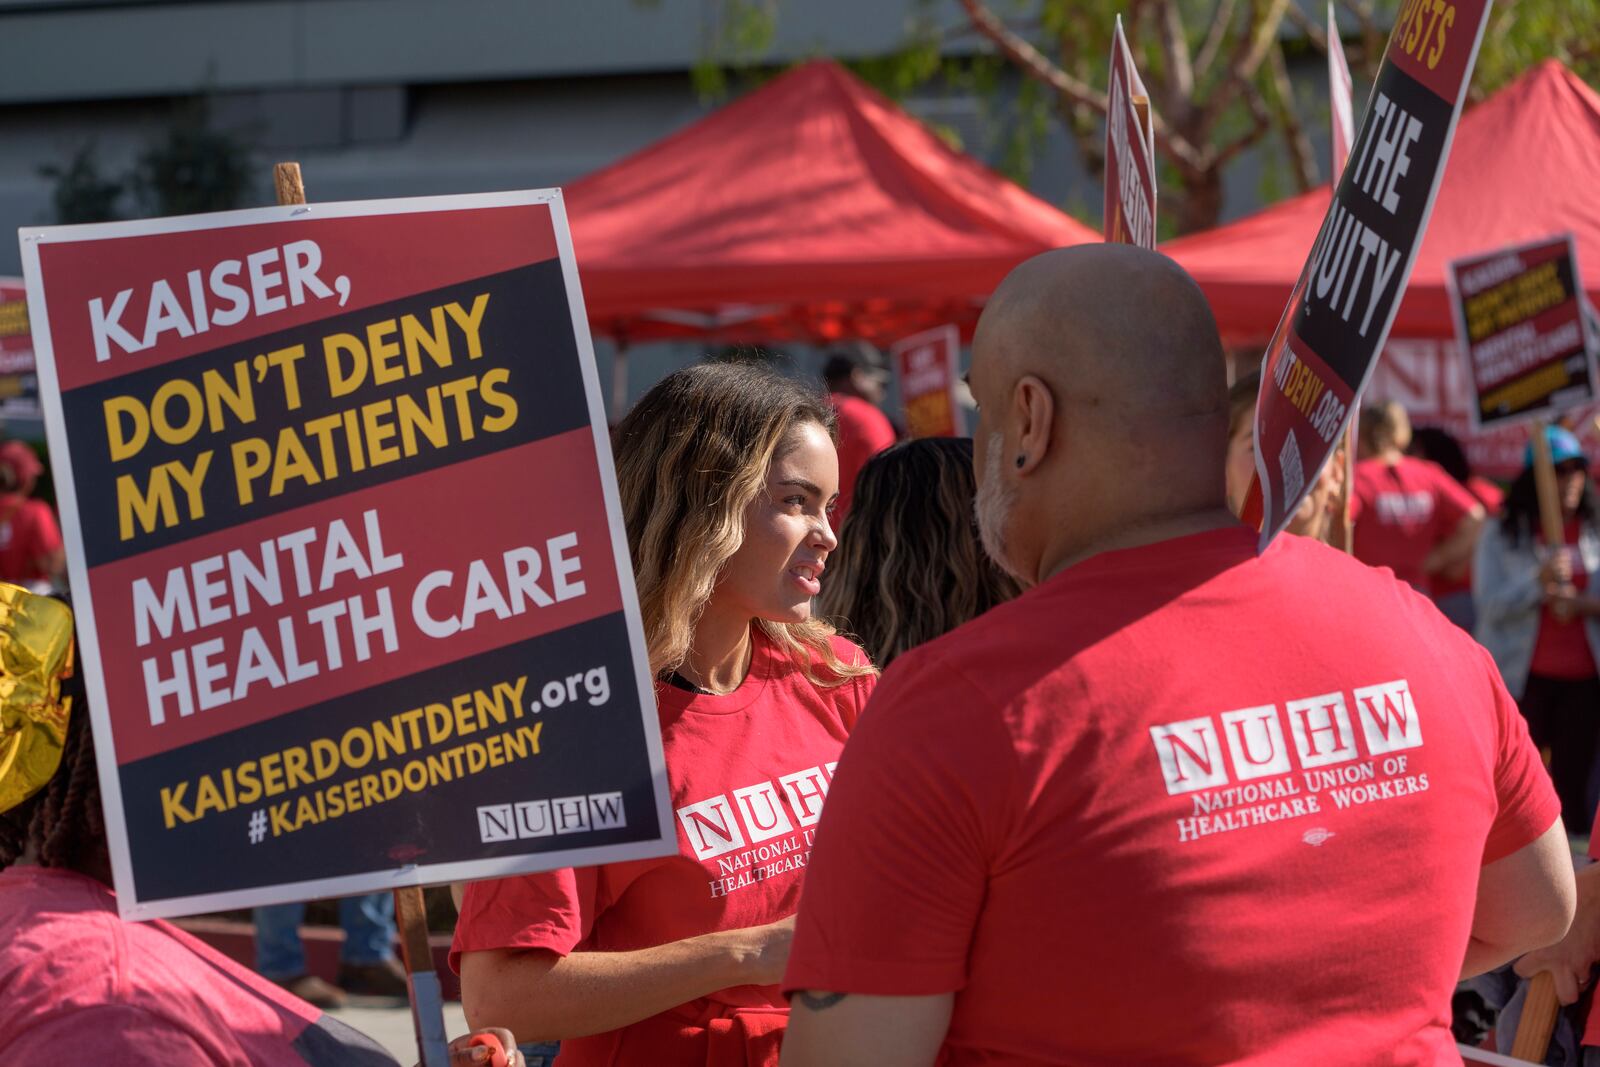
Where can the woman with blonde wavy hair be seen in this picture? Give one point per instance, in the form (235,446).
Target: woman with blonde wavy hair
(911,567)
(727,475)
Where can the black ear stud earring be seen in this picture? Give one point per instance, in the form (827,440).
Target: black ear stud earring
(1020,461)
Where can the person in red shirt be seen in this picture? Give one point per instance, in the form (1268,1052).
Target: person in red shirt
(1539,617)
(30,541)
(77,981)
(1452,587)
(1178,803)
(727,475)
(1409,515)
(855,390)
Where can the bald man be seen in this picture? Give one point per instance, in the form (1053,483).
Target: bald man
(1177,803)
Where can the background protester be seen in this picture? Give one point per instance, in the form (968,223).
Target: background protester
(31,553)
(1540,620)
(1036,847)
(855,388)
(367,963)
(909,566)
(1409,515)
(727,475)
(1314,518)
(76,980)
(1452,587)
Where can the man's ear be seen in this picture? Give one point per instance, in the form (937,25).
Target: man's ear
(1035,412)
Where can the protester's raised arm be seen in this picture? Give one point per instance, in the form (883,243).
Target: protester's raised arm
(839,1030)
(541,996)
(1525,901)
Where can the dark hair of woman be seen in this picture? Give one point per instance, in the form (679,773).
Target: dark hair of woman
(1439,446)
(61,825)
(1519,515)
(909,566)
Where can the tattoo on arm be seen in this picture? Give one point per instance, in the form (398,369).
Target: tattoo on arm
(819,1001)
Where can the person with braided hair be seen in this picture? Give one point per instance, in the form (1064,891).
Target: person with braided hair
(76,980)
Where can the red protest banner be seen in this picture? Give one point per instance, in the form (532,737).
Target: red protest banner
(346,551)
(927,366)
(1340,310)
(1130,201)
(1522,328)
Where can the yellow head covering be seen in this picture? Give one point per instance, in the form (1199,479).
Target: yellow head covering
(35,654)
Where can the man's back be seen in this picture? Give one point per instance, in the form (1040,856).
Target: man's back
(1177,804)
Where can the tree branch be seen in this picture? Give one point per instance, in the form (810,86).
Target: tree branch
(1033,62)
(1261,122)
(1070,89)
(1317,35)
(1302,158)
(1175,54)
(1250,51)
(1221,19)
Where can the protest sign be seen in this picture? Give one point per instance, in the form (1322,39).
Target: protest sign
(19,385)
(1130,201)
(1522,328)
(1340,310)
(927,366)
(346,550)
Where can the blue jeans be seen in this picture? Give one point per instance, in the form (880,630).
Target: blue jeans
(368,934)
(540,1053)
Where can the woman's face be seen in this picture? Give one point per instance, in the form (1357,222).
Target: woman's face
(1241,464)
(1571,477)
(787,533)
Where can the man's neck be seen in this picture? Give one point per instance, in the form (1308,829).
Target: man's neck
(719,657)
(1137,534)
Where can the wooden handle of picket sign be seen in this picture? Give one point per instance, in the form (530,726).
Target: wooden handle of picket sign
(1544,481)
(1538,1023)
(422,981)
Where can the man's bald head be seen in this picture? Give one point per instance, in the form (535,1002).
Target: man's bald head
(1109,325)
(1100,376)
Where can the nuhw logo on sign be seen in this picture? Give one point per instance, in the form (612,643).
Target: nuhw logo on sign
(731,821)
(1321,731)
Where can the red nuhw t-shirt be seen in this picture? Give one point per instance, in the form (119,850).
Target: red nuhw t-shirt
(748,774)
(864,431)
(1180,805)
(1403,512)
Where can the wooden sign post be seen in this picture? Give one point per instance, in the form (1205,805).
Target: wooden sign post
(422,981)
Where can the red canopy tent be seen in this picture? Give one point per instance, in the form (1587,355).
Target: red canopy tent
(1523,166)
(810,209)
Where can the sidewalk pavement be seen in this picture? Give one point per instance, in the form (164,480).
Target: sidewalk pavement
(388,1022)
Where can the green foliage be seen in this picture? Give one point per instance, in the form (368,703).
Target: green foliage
(193,168)
(1523,33)
(82,193)
(190,168)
